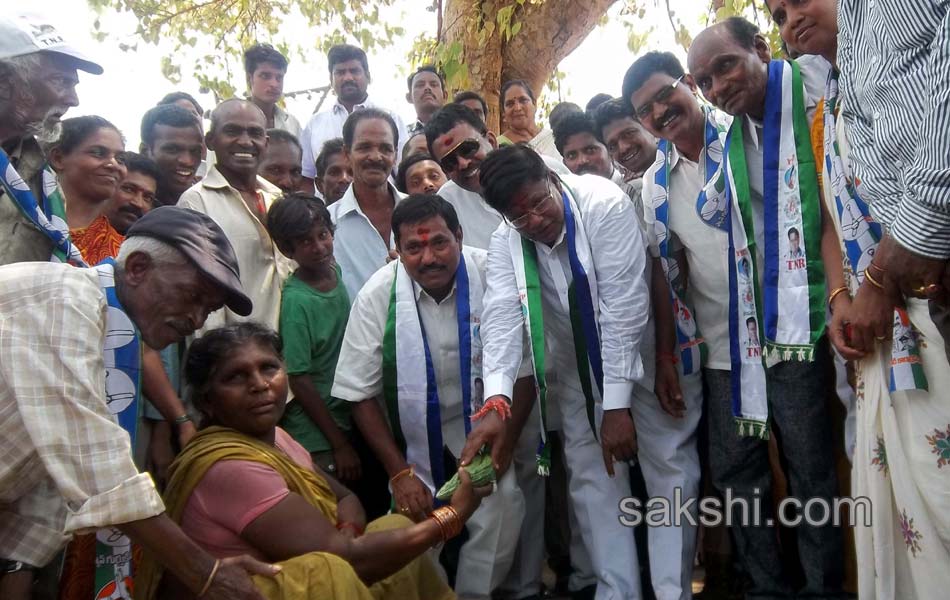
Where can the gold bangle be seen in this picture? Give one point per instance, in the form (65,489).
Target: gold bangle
(449,521)
(214,571)
(872,281)
(880,269)
(409,471)
(835,293)
(455,521)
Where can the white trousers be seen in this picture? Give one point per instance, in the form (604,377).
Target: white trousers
(487,555)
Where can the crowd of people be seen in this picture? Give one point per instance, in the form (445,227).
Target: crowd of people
(239,362)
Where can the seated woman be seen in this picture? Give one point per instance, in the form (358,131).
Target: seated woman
(244,486)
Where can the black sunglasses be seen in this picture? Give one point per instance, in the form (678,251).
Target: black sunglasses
(465,149)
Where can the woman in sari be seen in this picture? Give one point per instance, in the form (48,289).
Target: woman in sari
(244,486)
(518,108)
(87,159)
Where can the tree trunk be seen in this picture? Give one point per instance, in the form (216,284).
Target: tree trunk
(550,30)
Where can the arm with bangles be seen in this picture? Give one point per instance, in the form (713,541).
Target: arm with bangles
(411,496)
(293,528)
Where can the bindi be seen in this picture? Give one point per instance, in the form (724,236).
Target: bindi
(423,233)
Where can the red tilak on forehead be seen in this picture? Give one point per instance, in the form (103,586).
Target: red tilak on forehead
(423,233)
(449,140)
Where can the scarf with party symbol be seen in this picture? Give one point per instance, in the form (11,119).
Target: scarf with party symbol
(710,204)
(784,319)
(47,213)
(861,235)
(122,357)
(409,382)
(582,301)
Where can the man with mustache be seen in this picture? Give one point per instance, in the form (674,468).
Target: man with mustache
(265,69)
(349,74)
(172,137)
(37,86)
(364,239)
(431,301)
(426,94)
(71,341)
(771,188)
(629,144)
(237,199)
(135,194)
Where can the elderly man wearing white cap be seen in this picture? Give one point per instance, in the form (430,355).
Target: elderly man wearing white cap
(37,86)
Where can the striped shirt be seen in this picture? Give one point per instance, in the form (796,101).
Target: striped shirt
(894,58)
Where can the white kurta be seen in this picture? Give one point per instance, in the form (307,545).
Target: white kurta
(493,530)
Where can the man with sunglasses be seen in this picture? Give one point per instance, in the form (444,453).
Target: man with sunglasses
(569,272)
(459,141)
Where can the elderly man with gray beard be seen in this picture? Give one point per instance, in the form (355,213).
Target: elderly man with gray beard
(37,86)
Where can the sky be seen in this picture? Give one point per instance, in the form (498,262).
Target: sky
(132,81)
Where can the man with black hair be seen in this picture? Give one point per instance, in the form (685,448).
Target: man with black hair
(595,101)
(350,77)
(474,101)
(426,93)
(420,315)
(580,148)
(334,174)
(172,137)
(562,110)
(568,271)
(362,216)
(184,100)
(237,199)
(770,180)
(419,174)
(629,144)
(280,163)
(135,194)
(265,69)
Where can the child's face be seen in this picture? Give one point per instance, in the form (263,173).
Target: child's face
(315,249)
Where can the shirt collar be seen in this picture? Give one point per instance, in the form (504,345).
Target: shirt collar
(420,292)
(215,180)
(348,202)
(338,106)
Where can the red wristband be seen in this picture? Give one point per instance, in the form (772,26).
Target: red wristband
(667,356)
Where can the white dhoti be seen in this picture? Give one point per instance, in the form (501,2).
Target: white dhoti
(668,458)
(902,464)
(487,555)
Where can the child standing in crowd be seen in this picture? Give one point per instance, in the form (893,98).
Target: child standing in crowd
(314,308)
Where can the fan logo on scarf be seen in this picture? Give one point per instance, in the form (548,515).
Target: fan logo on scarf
(659,197)
(715,204)
(660,230)
(671,267)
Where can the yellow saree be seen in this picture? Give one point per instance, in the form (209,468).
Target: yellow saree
(317,575)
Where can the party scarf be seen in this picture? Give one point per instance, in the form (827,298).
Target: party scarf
(710,205)
(582,300)
(48,213)
(785,320)
(409,381)
(861,234)
(122,357)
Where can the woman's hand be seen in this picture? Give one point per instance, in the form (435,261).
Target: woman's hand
(467,497)
(872,317)
(412,498)
(838,328)
(232,581)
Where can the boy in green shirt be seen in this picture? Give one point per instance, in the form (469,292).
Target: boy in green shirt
(313,312)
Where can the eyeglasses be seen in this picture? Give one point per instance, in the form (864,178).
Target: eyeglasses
(663,96)
(465,149)
(536,210)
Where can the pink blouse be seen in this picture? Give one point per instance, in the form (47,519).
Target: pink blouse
(231,495)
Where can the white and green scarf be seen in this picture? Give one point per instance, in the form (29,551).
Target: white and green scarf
(582,298)
(860,234)
(784,318)
(409,382)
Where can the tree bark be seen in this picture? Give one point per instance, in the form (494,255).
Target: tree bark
(550,30)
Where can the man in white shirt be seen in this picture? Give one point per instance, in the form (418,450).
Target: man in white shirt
(265,68)
(349,74)
(569,267)
(429,298)
(426,94)
(732,66)
(363,237)
(237,199)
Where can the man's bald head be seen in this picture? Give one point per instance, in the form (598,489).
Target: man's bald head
(231,106)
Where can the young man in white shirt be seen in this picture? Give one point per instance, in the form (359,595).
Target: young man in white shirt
(569,268)
(350,77)
(362,216)
(426,377)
